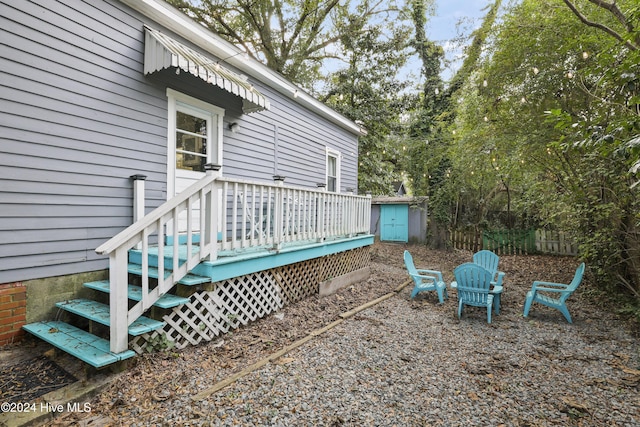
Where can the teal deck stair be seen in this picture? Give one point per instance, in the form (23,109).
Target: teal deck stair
(189,279)
(93,349)
(135,294)
(77,342)
(98,312)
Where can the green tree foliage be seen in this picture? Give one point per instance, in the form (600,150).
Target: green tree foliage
(430,135)
(369,91)
(552,120)
(425,135)
(292,37)
(616,73)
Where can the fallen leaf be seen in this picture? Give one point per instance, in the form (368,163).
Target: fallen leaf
(574,404)
(161,396)
(622,356)
(631,381)
(284,360)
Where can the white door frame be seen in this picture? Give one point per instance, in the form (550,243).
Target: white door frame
(213,114)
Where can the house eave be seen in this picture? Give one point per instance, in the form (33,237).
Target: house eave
(181,24)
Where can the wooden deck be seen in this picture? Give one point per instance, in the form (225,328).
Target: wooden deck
(263,225)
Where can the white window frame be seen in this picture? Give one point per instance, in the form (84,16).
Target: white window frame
(330,152)
(214,130)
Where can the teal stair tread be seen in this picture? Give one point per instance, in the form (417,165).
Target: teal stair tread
(182,239)
(135,293)
(81,344)
(189,279)
(99,312)
(135,255)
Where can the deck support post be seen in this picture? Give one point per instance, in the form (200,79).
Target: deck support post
(211,207)
(278,212)
(138,196)
(118,301)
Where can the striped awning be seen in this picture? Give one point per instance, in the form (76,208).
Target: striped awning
(162,52)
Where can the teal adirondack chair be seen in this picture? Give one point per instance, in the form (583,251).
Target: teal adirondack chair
(489,261)
(473,283)
(540,292)
(425,280)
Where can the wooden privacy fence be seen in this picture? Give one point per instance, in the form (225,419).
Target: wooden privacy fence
(514,242)
(470,240)
(555,242)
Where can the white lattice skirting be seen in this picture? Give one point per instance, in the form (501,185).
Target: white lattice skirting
(243,299)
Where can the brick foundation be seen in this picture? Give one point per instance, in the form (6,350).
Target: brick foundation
(13,312)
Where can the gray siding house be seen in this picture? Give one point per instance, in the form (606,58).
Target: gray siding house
(110,111)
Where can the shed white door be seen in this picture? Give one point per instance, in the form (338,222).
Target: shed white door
(195,135)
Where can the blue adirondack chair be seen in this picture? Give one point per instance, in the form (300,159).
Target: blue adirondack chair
(425,280)
(474,287)
(540,292)
(489,261)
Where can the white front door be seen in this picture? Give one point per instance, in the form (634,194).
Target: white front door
(195,139)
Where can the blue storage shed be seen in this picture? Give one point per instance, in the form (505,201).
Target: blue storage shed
(399,219)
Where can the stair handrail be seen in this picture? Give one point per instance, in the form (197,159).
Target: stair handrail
(151,218)
(235,215)
(138,234)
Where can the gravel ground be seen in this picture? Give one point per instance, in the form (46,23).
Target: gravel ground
(403,365)
(401,362)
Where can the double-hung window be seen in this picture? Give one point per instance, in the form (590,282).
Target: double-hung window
(191,138)
(333,170)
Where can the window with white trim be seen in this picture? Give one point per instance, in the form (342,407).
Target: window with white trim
(333,170)
(191,138)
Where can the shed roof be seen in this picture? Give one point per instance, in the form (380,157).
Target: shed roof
(396,200)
